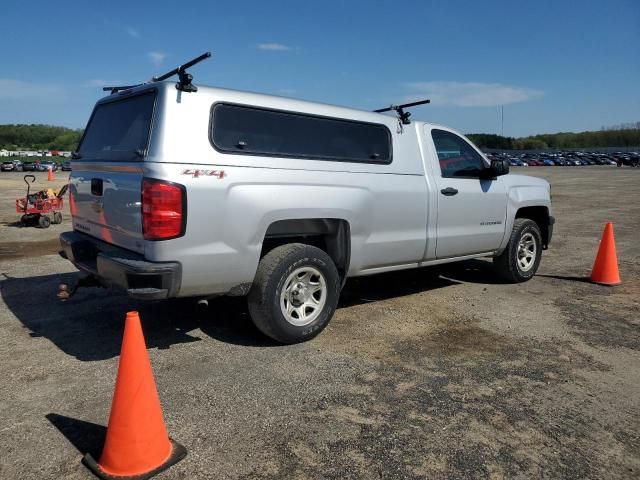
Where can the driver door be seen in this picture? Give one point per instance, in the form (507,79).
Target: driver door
(471,209)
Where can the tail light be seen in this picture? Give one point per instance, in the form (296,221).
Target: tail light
(164,209)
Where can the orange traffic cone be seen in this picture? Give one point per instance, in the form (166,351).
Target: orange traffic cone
(605,269)
(137,445)
(50,176)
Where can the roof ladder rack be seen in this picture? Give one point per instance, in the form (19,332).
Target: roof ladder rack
(403,117)
(185,79)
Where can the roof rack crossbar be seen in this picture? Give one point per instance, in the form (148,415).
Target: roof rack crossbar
(403,116)
(184,79)
(120,88)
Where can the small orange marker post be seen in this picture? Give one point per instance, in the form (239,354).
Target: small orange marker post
(137,445)
(605,268)
(50,176)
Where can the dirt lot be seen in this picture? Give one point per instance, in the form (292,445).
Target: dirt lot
(434,373)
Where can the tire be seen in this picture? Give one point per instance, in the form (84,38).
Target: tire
(512,265)
(282,297)
(57,217)
(44,221)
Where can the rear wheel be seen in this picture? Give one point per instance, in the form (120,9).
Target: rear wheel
(295,293)
(521,259)
(44,221)
(57,217)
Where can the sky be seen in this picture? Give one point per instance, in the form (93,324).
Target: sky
(551,65)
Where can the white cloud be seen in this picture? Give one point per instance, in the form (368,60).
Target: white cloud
(471,94)
(273,47)
(11,89)
(157,58)
(133,32)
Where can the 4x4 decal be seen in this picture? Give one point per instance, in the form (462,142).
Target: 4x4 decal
(195,173)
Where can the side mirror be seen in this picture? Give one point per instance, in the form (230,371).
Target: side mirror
(499,167)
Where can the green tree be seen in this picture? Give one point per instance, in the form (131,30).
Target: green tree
(629,137)
(38,137)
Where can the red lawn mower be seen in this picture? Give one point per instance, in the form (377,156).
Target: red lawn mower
(36,207)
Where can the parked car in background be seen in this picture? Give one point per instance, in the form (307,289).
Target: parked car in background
(44,166)
(66,166)
(7,166)
(629,160)
(567,158)
(28,167)
(18,165)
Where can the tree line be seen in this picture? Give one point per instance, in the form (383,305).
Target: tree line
(628,137)
(38,137)
(622,126)
(49,137)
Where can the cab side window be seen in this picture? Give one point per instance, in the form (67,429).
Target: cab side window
(457,158)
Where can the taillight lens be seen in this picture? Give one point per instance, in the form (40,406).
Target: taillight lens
(163,209)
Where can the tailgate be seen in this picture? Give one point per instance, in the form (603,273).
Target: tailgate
(106,182)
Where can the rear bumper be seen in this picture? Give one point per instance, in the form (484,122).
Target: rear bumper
(119,268)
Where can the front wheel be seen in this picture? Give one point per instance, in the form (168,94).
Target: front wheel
(521,259)
(295,293)
(44,221)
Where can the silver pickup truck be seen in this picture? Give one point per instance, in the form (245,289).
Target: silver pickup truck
(212,192)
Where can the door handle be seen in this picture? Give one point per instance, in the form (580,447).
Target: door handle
(96,187)
(449,191)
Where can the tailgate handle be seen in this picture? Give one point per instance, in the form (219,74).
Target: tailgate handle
(96,186)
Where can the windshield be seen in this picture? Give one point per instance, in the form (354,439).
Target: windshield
(119,130)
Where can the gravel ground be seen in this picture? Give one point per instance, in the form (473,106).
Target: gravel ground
(432,373)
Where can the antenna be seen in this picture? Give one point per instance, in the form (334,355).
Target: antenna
(403,116)
(184,79)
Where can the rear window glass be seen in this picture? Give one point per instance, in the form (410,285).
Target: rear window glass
(256,131)
(119,130)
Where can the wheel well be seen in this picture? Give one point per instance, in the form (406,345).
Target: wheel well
(329,234)
(540,215)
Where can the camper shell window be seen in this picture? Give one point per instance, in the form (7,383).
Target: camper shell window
(246,130)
